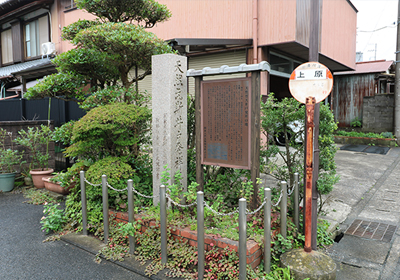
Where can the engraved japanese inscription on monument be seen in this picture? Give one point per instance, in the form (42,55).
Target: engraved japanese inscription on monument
(225,122)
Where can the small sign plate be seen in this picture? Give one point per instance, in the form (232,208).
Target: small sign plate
(311,79)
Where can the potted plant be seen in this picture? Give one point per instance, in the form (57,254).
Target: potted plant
(63,182)
(36,140)
(60,183)
(9,158)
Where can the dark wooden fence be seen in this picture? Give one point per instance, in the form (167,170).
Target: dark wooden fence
(17,114)
(22,109)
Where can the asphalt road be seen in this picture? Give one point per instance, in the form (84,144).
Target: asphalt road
(23,254)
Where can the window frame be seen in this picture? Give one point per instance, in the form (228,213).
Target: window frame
(37,35)
(1,47)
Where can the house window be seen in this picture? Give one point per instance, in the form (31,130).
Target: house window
(36,33)
(6,47)
(71,4)
(281,65)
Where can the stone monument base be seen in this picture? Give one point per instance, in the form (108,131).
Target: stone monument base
(313,265)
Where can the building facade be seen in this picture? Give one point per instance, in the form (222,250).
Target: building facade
(210,33)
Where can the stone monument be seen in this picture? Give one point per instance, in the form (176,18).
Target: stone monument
(169,123)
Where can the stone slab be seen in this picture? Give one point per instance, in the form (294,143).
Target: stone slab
(365,249)
(335,211)
(354,148)
(377,150)
(359,174)
(314,265)
(351,272)
(392,261)
(87,243)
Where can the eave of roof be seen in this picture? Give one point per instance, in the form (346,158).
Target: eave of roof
(352,5)
(378,66)
(205,44)
(13,9)
(29,65)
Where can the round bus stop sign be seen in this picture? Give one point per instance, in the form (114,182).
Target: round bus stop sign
(311,79)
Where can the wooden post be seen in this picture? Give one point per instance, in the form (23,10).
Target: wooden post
(255,135)
(310,106)
(396,128)
(199,167)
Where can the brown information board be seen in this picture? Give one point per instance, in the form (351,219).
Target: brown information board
(225,122)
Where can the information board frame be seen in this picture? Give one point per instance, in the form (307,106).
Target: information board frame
(222,148)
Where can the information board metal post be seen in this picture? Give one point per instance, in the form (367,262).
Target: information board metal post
(255,135)
(199,166)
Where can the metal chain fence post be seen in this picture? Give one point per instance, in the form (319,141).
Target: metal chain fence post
(105,206)
(200,234)
(267,230)
(242,239)
(83,203)
(131,216)
(284,209)
(296,199)
(163,224)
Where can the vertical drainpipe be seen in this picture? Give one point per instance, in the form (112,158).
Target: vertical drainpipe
(255,31)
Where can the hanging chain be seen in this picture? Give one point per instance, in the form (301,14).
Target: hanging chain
(195,203)
(279,200)
(94,185)
(218,213)
(117,190)
(290,191)
(143,195)
(258,209)
(180,205)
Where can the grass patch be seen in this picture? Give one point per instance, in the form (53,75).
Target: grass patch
(364,134)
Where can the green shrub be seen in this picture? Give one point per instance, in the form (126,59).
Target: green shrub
(73,211)
(118,173)
(54,219)
(63,133)
(113,94)
(115,130)
(36,140)
(276,116)
(364,134)
(356,123)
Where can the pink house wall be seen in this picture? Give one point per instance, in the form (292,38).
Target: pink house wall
(206,19)
(339,28)
(232,19)
(277,21)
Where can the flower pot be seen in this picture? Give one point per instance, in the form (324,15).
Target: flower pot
(54,187)
(7,181)
(37,176)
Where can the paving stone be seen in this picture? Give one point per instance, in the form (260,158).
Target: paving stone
(350,272)
(364,249)
(392,261)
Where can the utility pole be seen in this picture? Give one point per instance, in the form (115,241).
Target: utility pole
(313,56)
(396,130)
